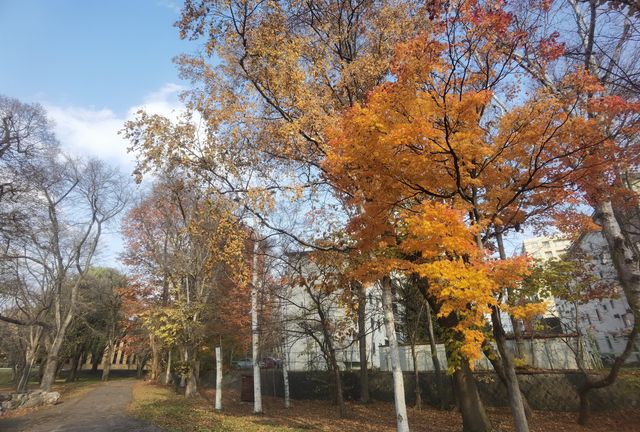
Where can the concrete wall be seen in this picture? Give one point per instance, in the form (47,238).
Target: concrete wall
(542,353)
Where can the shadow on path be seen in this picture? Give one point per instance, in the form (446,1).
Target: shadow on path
(103,409)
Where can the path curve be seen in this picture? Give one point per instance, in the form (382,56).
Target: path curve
(103,409)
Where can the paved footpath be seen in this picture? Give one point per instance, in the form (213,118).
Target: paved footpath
(103,409)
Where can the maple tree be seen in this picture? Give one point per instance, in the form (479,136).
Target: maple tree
(453,149)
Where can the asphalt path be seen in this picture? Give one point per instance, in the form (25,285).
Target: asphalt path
(103,409)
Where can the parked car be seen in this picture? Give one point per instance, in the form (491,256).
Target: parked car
(271,363)
(245,363)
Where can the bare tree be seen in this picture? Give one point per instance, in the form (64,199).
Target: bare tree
(70,203)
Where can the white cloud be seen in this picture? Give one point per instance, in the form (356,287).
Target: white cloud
(87,131)
(91,132)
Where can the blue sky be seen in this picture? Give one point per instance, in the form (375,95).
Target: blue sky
(99,54)
(93,64)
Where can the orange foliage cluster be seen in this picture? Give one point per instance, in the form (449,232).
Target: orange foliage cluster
(447,156)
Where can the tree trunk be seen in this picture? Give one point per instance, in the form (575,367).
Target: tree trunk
(329,352)
(474,417)
(513,387)
(155,358)
(73,370)
(435,360)
(583,392)
(96,355)
(191,387)
(517,335)
(168,372)
(498,367)
(255,333)
(218,405)
(337,380)
(285,378)
(416,375)
(51,366)
(107,360)
(362,343)
(626,262)
(398,379)
(31,355)
(140,367)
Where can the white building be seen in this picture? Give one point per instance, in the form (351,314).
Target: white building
(608,321)
(546,248)
(301,306)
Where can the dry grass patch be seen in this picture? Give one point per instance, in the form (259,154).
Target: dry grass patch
(161,406)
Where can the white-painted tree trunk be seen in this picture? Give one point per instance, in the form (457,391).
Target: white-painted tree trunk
(255,336)
(398,379)
(285,378)
(218,379)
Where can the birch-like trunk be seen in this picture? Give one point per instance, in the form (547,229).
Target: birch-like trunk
(398,379)
(255,335)
(285,378)
(362,343)
(218,379)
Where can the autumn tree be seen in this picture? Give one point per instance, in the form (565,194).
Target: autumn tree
(270,76)
(453,128)
(599,40)
(186,251)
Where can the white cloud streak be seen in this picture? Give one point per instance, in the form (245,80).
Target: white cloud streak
(87,131)
(91,132)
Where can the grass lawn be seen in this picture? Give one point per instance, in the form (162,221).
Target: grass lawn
(85,379)
(5,377)
(161,406)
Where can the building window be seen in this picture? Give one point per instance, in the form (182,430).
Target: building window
(612,304)
(604,306)
(609,344)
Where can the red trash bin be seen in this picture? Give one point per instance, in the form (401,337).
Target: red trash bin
(246,391)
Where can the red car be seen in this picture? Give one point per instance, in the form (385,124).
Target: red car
(271,363)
